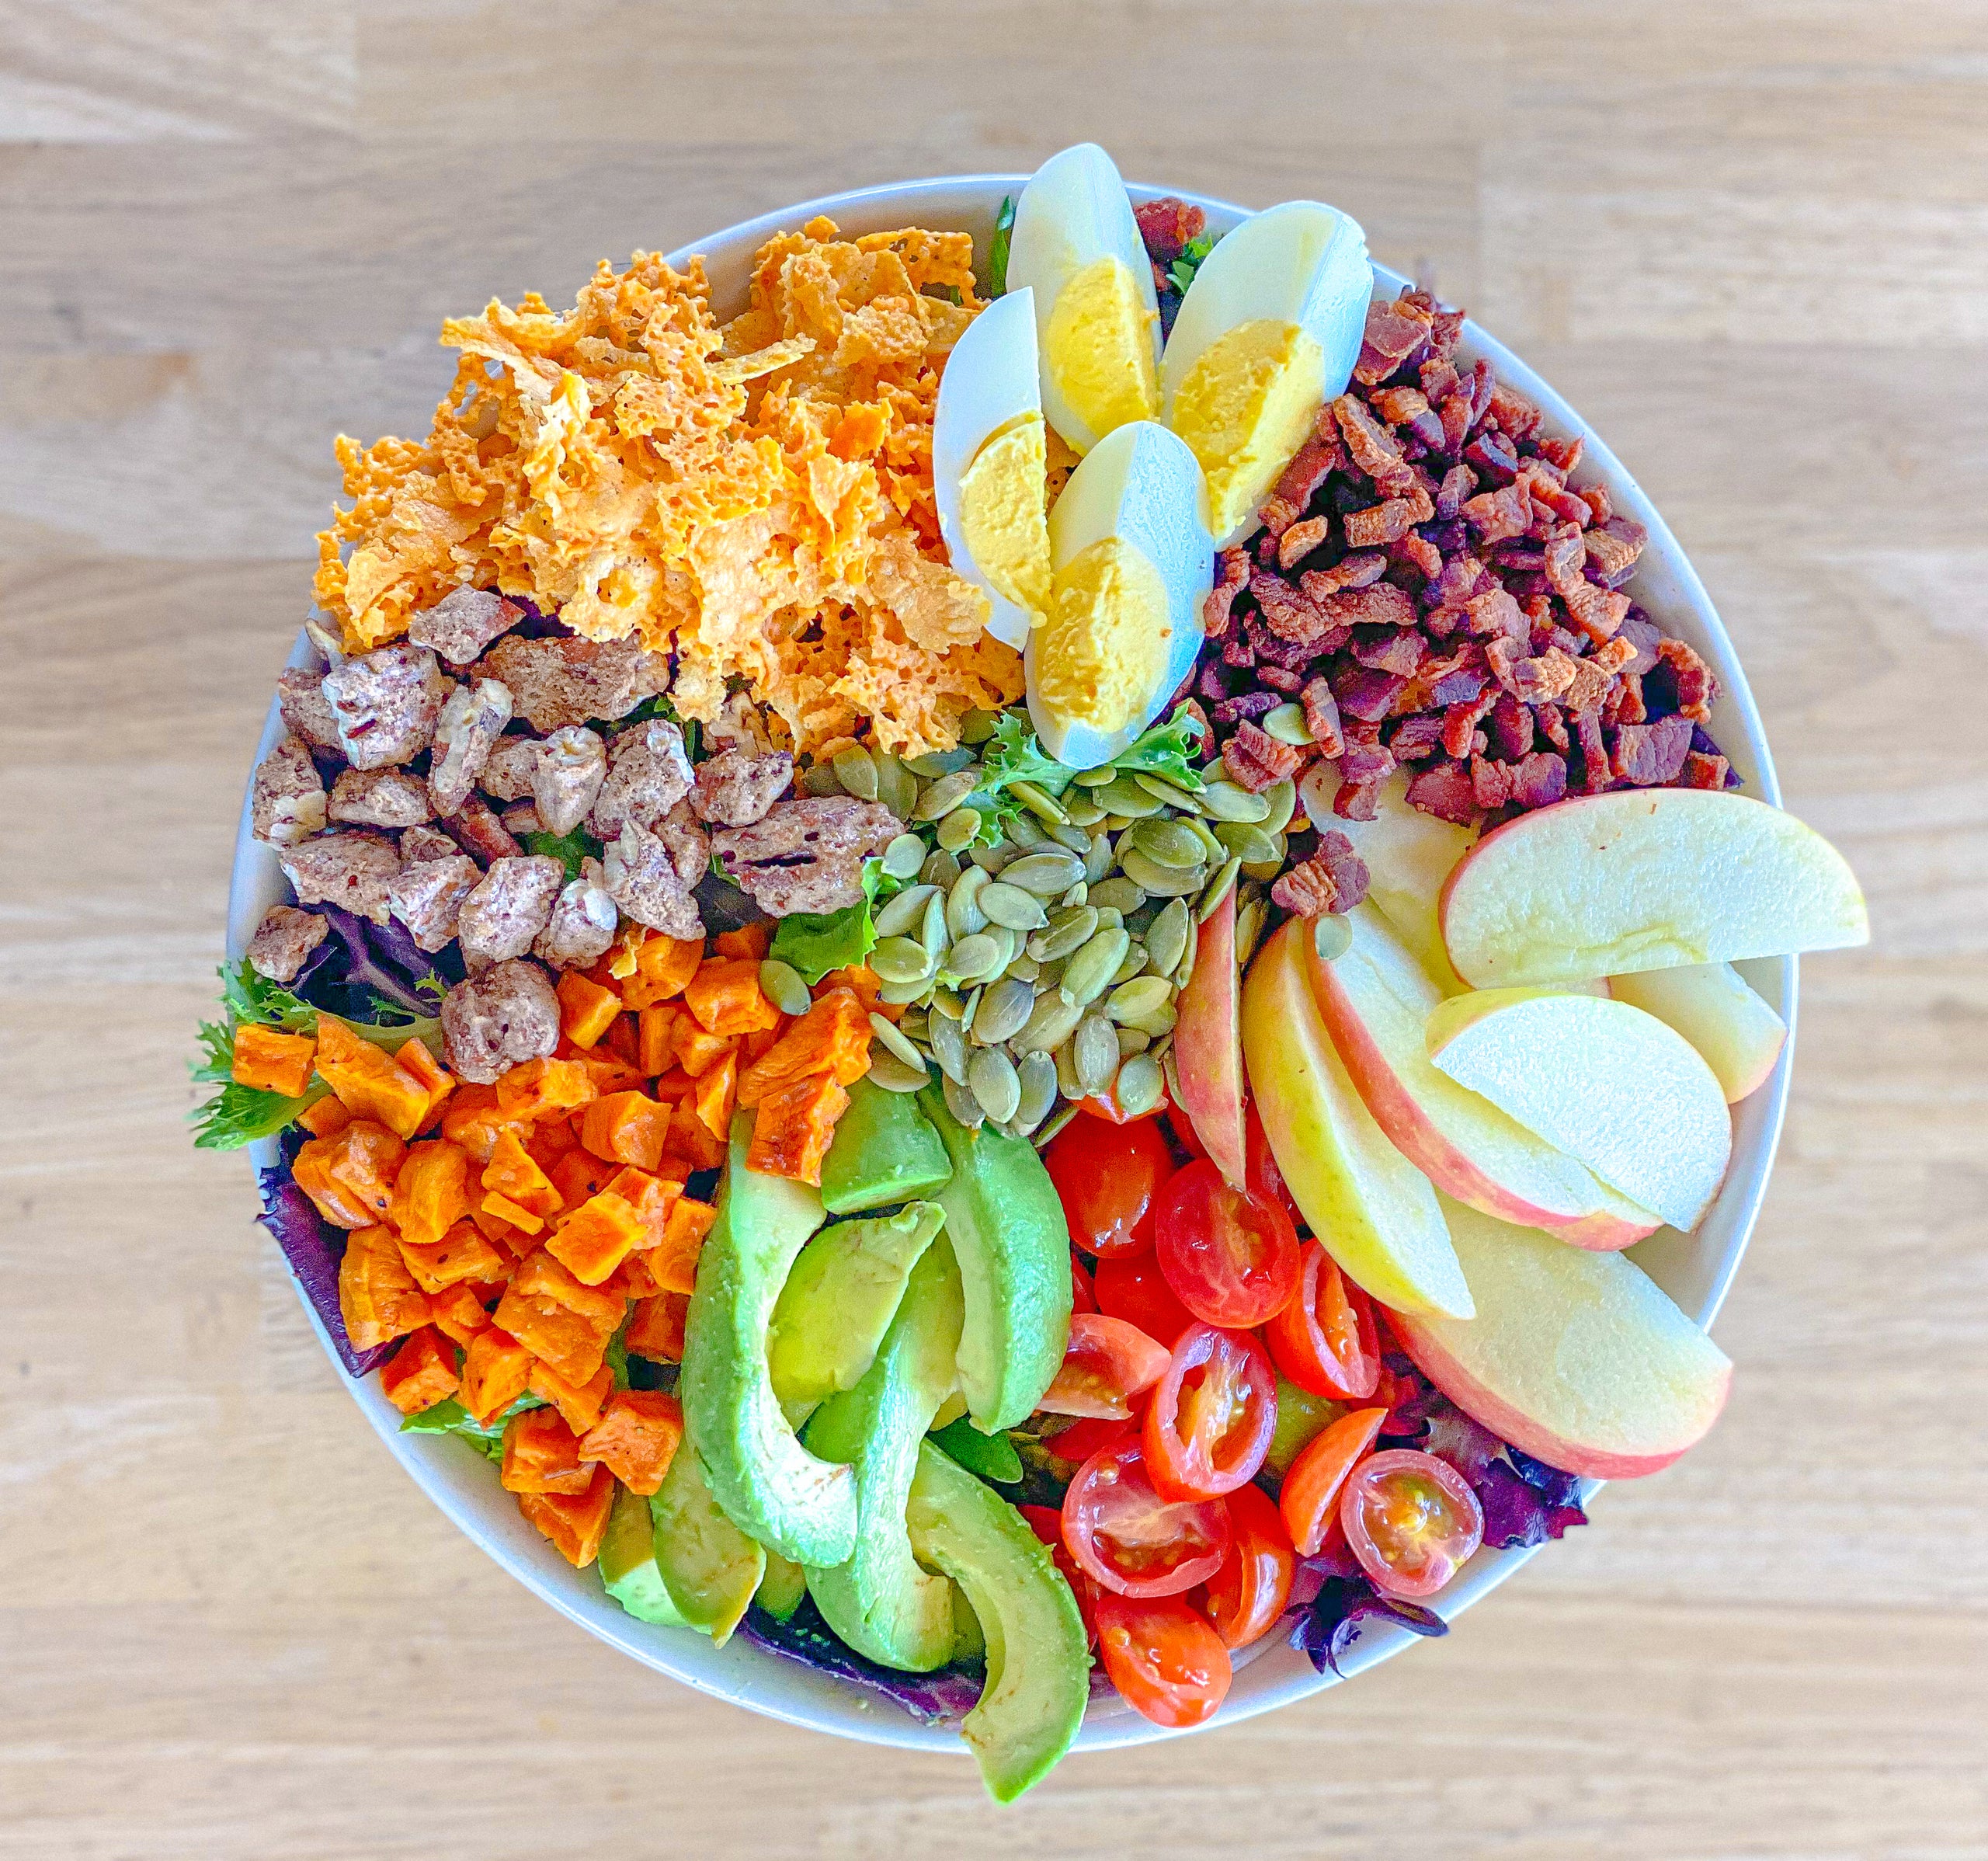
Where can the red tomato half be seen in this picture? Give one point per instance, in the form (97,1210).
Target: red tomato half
(1261,1174)
(1411,1520)
(1230,1256)
(1165,1660)
(1082,1439)
(1310,1489)
(1105,1364)
(1135,1290)
(1131,1541)
(1248,1594)
(1212,1414)
(1083,1296)
(1108,1176)
(1046,1523)
(1324,1340)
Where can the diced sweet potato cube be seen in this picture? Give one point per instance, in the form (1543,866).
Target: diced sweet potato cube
(634,1278)
(832,1037)
(513,1172)
(575,1522)
(596,1237)
(273,1061)
(472,1118)
(622,1042)
(580,1402)
(586,1010)
(457,1312)
(431,1191)
(651,1197)
(726,998)
(656,1328)
(795,1127)
(689,1138)
(672,1262)
(716,1096)
(663,965)
(421,1372)
(349,1175)
(545,1088)
(495,1369)
(750,940)
(414,1059)
(501,1234)
(461,1255)
(610,1072)
(512,1214)
(637,1437)
(751,1046)
(327,1115)
(546,1144)
(579,1174)
(558,1318)
(655,1029)
(542,1455)
(675,1083)
(626,1127)
(697,1052)
(865,984)
(370,1081)
(377,1294)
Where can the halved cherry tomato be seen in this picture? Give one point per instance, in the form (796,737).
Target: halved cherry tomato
(1230,1256)
(1212,1414)
(1135,1289)
(1311,1489)
(1165,1660)
(1261,1174)
(1411,1520)
(1248,1594)
(1131,1541)
(1108,1176)
(1082,1439)
(1105,1364)
(1324,1339)
(1180,1128)
(1083,1296)
(1046,1523)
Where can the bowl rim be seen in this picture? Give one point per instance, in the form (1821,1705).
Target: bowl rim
(456,1478)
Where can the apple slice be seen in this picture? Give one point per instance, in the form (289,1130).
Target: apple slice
(1738,1035)
(1645,878)
(1578,1359)
(1208,1043)
(1408,855)
(1611,1086)
(1375,1001)
(1374,1210)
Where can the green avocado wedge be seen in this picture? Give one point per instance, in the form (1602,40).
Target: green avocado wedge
(885,1151)
(840,1298)
(771,1487)
(710,1568)
(628,1563)
(1038,1674)
(881,1602)
(781,1588)
(1005,1223)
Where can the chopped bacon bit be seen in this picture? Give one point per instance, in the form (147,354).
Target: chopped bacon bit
(1378,604)
(1460,723)
(1538,779)
(1365,762)
(1587,688)
(1232,571)
(1495,515)
(1415,737)
(1321,717)
(1373,449)
(1490,783)
(1696,686)
(1300,539)
(1316,459)
(1458,482)
(1552,722)
(1513,413)
(1598,612)
(1398,649)
(1511,727)
(1366,695)
(1704,771)
(1393,332)
(1651,756)
(1255,760)
(1357,802)
(1166,225)
(1613,549)
(1306,890)
(1389,522)
(1348,572)
(1565,453)
(1443,789)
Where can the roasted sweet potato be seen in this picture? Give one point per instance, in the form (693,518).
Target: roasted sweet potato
(272,1061)
(716,1096)
(542,1455)
(514,1174)
(581,1402)
(864,983)
(462,1255)
(672,1262)
(636,1438)
(656,1328)
(832,1039)
(626,1127)
(697,1051)
(575,1522)
(558,1319)
(414,1059)
(349,1175)
(656,1028)
(586,1010)
(689,1139)
(795,1127)
(611,1073)
(726,998)
(327,1115)
(369,1080)
(495,1368)
(663,965)
(421,1372)
(432,1191)
(457,1312)
(596,1237)
(580,1174)
(377,1294)
(750,940)
(545,1088)
(621,1042)
(651,1197)
(472,1117)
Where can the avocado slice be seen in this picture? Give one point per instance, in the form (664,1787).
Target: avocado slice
(880,1602)
(709,1567)
(628,1563)
(839,1299)
(774,1490)
(1038,1674)
(1005,1223)
(885,1150)
(782,1587)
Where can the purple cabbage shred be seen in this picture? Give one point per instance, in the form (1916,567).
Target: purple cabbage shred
(381,960)
(942,1697)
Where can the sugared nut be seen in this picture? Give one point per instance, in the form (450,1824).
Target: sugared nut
(287,800)
(386,703)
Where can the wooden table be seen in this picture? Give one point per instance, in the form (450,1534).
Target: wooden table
(1750,240)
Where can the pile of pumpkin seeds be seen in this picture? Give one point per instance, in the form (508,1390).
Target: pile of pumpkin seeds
(1047,968)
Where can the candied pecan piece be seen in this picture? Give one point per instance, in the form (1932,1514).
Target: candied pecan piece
(647,774)
(352,870)
(555,682)
(471,723)
(1322,717)
(428,897)
(508,909)
(1651,756)
(1255,760)
(807,854)
(582,924)
(479,832)
(386,703)
(734,789)
(498,1019)
(567,778)
(640,875)
(426,842)
(1300,539)
(1231,574)
(690,846)
(306,712)
(463,622)
(379,798)
(283,941)
(519,818)
(287,800)
(507,771)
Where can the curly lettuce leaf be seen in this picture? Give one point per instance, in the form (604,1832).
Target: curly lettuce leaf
(448,1417)
(1013,756)
(815,942)
(1189,262)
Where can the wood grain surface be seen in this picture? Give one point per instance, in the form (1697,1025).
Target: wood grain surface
(1749,240)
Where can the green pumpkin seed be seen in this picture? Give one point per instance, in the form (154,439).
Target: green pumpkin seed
(948,1043)
(996,859)
(1140,1084)
(930,767)
(1167,843)
(1042,805)
(900,916)
(1159,1021)
(1067,1081)
(1211,899)
(1003,1012)
(1082,811)
(973,958)
(857,772)
(1038,1073)
(1128,798)
(1232,801)
(1166,938)
(940,868)
(1248,927)
(897,959)
(1049,1025)
(1092,967)
(947,1001)
(959,828)
(1186,968)
(1169,794)
(961,1102)
(1166,881)
(1099,860)
(1010,906)
(933,934)
(1095,1053)
(1110,919)
(1072,838)
(1131,1040)
(896,1043)
(1287,725)
(1282,797)
(904,857)
(1024,968)
(1135,964)
(1050,977)
(977,727)
(1251,845)
(1332,936)
(913,1024)
(1267,871)
(1047,1134)
(992,1077)
(964,915)
(946,794)
(1025,834)
(897,788)
(1116,893)
(819,779)
(1067,930)
(1045,874)
(783,987)
(1079,894)
(894,1075)
(1101,777)
(902,995)
(1131,1001)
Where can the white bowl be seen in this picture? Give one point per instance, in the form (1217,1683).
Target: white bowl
(1695,1271)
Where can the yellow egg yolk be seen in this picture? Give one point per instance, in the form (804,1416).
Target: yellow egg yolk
(1244,410)
(1099,349)
(1103,649)
(1004,513)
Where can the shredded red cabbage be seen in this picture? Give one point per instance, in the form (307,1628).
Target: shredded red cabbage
(375,963)
(942,1697)
(314,1248)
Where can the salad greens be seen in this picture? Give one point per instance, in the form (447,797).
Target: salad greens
(1182,269)
(569,849)
(814,942)
(448,1417)
(997,248)
(992,1456)
(1012,757)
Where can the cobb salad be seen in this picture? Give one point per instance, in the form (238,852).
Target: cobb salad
(987,966)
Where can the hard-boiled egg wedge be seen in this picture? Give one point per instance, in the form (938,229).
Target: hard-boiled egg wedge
(1269,327)
(990,465)
(1133,562)
(1076,244)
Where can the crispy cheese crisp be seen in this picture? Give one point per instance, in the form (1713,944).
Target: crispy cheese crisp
(755,496)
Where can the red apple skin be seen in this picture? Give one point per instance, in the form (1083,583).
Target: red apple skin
(1396,1112)
(1512,1424)
(1207,1044)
